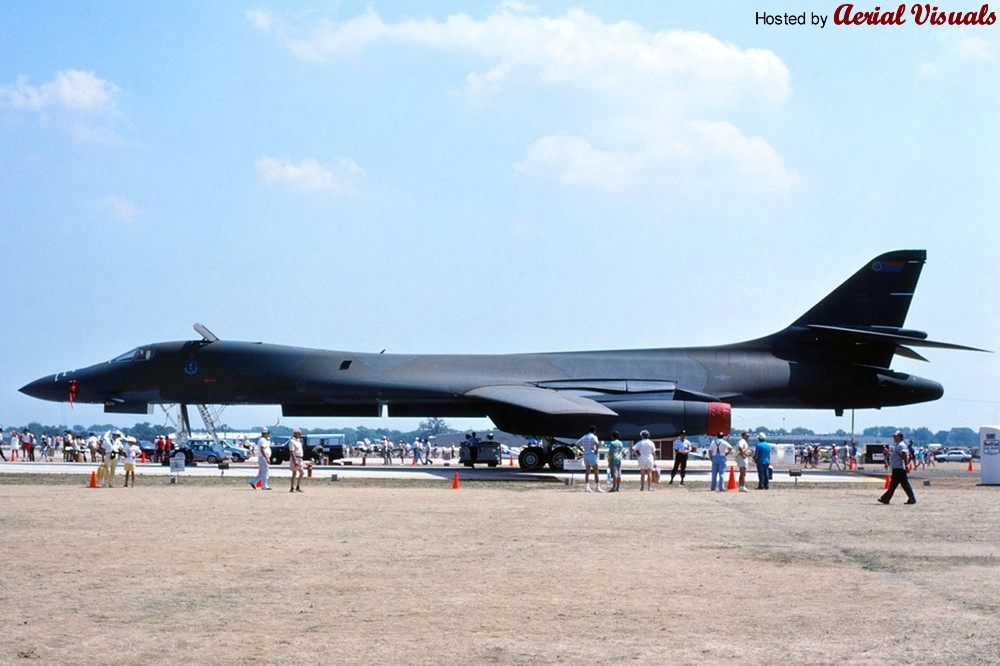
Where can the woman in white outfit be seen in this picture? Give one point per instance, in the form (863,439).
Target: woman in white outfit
(645,449)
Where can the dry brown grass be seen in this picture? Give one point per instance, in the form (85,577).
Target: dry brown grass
(390,572)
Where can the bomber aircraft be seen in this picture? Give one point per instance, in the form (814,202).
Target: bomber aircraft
(835,356)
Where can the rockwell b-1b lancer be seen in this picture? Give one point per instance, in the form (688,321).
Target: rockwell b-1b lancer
(835,356)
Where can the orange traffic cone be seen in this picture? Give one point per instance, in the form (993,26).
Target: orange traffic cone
(364,460)
(850,465)
(260,483)
(93,480)
(888,481)
(454,482)
(511,460)
(732,479)
(414,462)
(143,458)
(970,464)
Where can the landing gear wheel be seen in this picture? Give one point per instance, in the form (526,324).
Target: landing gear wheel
(531,457)
(558,458)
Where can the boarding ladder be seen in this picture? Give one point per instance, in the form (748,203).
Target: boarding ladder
(209,420)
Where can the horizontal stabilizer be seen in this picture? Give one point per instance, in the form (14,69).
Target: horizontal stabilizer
(906,352)
(540,400)
(867,335)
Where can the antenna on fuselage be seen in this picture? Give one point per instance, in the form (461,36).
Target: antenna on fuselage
(205,333)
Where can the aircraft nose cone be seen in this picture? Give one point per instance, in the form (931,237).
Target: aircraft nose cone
(47,388)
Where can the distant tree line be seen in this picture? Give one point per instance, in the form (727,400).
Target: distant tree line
(959,437)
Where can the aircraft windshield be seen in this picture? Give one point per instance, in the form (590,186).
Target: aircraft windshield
(139,354)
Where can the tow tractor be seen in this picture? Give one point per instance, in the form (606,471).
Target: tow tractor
(549,451)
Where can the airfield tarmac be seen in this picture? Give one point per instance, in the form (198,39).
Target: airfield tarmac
(352,468)
(387,570)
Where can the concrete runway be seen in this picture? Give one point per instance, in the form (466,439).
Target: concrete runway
(698,472)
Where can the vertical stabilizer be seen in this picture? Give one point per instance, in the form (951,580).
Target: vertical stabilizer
(876,297)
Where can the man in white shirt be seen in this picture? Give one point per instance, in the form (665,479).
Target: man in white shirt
(263,460)
(742,455)
(682,448)
(589,443)
(718,450)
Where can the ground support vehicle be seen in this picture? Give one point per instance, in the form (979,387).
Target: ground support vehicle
(487,452)
(550,451)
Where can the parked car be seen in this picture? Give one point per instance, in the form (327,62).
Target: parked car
(953,455)
(236,453)
(206,452)
(317,448)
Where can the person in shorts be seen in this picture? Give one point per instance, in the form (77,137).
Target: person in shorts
(616,451)
(645,449)
(129,453)
(742,455)
(589,443)
(295,461)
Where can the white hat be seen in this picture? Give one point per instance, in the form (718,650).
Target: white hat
(761,436)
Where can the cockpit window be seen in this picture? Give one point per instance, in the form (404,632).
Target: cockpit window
(140,354)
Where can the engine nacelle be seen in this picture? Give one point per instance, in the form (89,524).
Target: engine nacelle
(663,419)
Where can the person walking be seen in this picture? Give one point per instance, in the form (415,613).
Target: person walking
(263,460)
(295,461)
(762,456)
(589,443)
(899,459)
(742,454)
(717,451)
(682,447)
(645,450)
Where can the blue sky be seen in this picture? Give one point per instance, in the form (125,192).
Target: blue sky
(486,177)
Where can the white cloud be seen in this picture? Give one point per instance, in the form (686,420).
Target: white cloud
(123,209)
(699,153)
(310,175)
(573,161)
(260,19)
(71,89)
(622,82)
(973,48)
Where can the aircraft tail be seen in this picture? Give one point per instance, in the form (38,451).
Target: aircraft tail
(861,321)
(876,297)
